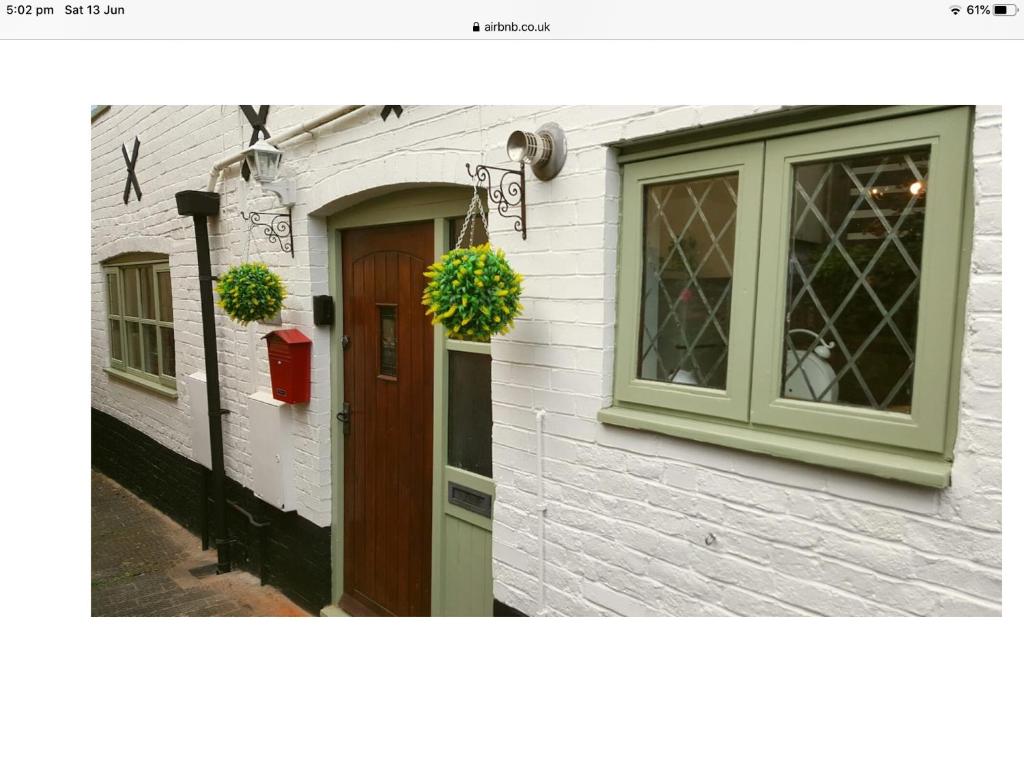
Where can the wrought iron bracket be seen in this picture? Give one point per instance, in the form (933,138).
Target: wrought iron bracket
(278,230)
(508,194)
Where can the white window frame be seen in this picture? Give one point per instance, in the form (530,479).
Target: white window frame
(162,381)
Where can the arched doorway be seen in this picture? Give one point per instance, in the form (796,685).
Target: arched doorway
(412,529)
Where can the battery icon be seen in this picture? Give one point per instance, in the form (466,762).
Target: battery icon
(1004,10)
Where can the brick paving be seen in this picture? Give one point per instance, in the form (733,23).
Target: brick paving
(145,564)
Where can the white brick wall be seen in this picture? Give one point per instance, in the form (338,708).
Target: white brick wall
(628,511)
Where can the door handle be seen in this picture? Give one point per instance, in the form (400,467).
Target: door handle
(345,417)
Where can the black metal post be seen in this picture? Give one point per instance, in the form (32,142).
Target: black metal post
(201,205)
(204,523)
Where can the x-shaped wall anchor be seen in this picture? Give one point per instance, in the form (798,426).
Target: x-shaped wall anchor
(388,109)
(258,121)
(132,180)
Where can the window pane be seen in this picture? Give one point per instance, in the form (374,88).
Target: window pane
(855,244)
(469,412)
(113,300)
(134,349)
(150,353)
(388,340)
(163,280)
(148,303)
(689,247)
(167,349)
(115,341)
(479,235)
(131,291)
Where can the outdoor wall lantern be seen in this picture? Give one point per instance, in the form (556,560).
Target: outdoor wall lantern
(544,151)
(264,161)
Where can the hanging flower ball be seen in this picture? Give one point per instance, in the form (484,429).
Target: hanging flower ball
(250,292)
(474,293)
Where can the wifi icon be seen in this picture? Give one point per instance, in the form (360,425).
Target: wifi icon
(955,9)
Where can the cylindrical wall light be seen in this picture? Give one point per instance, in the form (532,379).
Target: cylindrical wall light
(544,151)
(526,147)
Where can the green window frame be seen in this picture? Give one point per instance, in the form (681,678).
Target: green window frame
(746,162)
(140,321)
(911,442)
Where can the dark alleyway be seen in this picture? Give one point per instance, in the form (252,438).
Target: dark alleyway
(144,564)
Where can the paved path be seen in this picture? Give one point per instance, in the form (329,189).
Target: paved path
(145,564)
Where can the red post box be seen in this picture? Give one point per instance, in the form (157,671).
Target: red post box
(290,352)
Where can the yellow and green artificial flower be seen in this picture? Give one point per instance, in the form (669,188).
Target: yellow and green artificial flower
(250,292)
(473,292)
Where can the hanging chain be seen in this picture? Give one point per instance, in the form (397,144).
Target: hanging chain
(246,213)
(475,209)
(475,206)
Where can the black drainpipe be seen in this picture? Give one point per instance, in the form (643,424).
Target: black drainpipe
(200,205)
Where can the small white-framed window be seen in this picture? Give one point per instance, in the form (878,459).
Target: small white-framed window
(140,319)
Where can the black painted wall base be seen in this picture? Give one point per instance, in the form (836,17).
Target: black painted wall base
(298,552)
(500,609)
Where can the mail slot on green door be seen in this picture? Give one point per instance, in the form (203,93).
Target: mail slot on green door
(469,490)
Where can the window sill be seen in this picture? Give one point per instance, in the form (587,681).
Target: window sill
(919,469)
(160,389)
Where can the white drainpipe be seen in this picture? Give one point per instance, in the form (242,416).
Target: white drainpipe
(280,137)
(542,508)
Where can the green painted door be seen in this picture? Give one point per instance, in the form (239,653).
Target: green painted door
(468,490)
(466,542)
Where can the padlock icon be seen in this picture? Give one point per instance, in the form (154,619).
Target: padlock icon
(476,26)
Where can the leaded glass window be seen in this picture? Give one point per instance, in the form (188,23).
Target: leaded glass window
(689,247)
(854,276)
(797,289)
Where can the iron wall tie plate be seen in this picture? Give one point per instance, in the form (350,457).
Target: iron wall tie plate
(258,121)
(132,180)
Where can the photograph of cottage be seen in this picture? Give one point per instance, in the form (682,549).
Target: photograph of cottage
(558,360)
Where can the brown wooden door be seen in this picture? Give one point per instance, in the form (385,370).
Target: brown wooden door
(389,388)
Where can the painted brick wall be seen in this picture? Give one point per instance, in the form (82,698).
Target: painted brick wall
(628,511)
